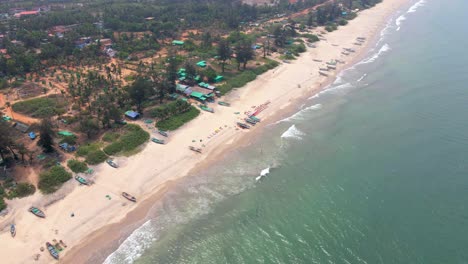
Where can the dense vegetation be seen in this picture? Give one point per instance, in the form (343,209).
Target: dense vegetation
(132,138)
(20,190)
(41,107)
(178,120)
(50,181)
(246,76)
(77,166)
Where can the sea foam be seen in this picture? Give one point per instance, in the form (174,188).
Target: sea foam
(263,173)
(413,8)
(377,55)
(300,115)
(293,133)
(399,20)
(134,245)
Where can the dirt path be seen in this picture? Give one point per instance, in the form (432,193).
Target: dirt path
(16,116)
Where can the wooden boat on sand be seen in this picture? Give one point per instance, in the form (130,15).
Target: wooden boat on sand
(37,212)
(81,180)
(112,163)
(323,74)
(243,126)
(206,108)
(129,197)
(256,119)
(158,141)
(13,230)
(163,133)
(198,150)
(250,121)
(53,252)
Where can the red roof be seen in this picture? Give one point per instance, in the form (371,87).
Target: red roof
(3,51)
(26,13)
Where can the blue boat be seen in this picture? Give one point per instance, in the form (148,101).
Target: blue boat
(32,135)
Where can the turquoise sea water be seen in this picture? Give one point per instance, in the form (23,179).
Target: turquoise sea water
(375,170)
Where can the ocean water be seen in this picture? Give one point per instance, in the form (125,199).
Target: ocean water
(373,170)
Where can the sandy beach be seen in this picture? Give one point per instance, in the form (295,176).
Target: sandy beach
(98,220)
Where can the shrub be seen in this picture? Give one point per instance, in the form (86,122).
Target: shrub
(297,48)
(96,157)
(71,140)
(113,148)
(311,37)
(22,189)
(331,27)
(169,109)
(133,137)
(342,22)
(51,180)
(110,136)
(2,204)
(85,149)
(179,120)
(77,166)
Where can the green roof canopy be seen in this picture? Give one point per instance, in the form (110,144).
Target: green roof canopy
(198,95)
(201,63)
(178,42)
(219,78)
(65,133)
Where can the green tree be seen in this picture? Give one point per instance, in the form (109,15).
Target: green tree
(244,53)
(224,52)
(171,71)
(46,136)
(139,91)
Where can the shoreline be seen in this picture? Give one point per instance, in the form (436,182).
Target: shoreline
(106,238)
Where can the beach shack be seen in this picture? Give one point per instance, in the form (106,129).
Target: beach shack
(23,128)
(132,115)
(177,43)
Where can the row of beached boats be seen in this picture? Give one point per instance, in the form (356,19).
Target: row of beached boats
(39,213)
(160,141)
(252,120)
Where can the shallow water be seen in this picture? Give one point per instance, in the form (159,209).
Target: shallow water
(374,170)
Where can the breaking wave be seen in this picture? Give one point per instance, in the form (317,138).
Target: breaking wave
(399,20)
(134,246)
(413,8)
(300,115)
(263,173)
(293,133)
(377,55)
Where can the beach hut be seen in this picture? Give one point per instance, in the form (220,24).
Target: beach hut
(21,127)
(132,114)
(177,43)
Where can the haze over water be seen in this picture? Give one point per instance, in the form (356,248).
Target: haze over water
(374,170)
